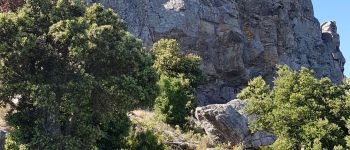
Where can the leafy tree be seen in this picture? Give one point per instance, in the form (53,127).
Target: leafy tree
(301,110)
(74,70)
(180,75)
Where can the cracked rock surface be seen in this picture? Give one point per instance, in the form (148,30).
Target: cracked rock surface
(237,39)
(226,123)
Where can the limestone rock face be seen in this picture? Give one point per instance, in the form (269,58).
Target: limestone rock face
(226,123)
(237,39)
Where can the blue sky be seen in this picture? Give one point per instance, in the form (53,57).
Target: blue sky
(339,11)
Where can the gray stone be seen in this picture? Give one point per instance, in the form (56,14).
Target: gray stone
(237,39)
(227,124)
(2,139)
(259,139)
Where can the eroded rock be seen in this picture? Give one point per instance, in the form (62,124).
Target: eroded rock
(227,124)
(237,39)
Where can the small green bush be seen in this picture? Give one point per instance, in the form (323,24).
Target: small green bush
(145,140)
(171,62)
(114,133)
(175,102)
(180,76)
(10,144)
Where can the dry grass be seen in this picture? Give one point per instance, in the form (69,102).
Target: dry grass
(3,112)
(171,135)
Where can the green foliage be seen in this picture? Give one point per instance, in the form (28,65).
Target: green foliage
(338,148)
(145,140)
(10,144)
(180,75)
(284,143)
(257,89)
(146,120)
(172,63)
(300,109)
(114,133)
(75,70)
(175,102)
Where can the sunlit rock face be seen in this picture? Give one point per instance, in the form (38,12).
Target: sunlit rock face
(227,123)
(237,39)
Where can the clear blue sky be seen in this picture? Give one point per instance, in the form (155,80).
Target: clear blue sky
(339,11)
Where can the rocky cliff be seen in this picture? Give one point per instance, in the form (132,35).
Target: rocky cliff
(237,39)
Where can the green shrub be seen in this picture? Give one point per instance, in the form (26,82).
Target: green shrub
(114,133)
(74,68)
(180,76)
(10,144)
(175,102)
(145,140)
(338,148)
(171,62)
(301,110)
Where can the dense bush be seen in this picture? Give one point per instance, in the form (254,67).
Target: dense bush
(301,110)
(171,62)
(114,133)
(74,69)
(180,75)
(10,144)
(176,100)
(145,140)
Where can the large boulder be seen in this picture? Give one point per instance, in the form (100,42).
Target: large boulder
(237,39)
(227,124)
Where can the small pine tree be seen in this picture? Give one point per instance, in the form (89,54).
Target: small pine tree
(175,102)
(171,62)
(180,75)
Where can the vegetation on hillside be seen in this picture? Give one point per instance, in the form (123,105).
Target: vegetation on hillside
(303,111)
(179,77)
(75,71)
(70,73)
(173,137)
(171,62)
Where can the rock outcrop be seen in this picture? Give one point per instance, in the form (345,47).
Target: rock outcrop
(237,39)
(2,139)
(331,41)
(226,123)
